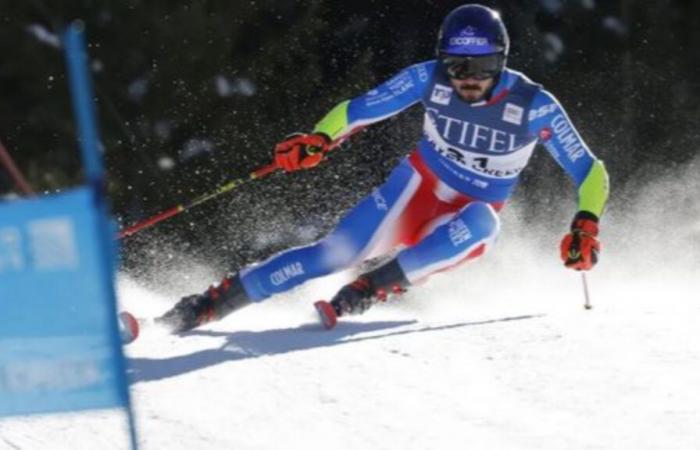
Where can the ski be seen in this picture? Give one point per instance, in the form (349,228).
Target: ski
(131,326)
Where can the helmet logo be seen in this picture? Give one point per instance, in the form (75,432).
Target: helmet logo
(463,40)
(467,36)
(472,30)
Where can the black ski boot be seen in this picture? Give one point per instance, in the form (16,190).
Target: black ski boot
(214,304)
(358,296)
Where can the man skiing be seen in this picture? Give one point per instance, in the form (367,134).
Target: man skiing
(439,206)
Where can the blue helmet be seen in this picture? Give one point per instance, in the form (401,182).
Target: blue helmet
(473,30)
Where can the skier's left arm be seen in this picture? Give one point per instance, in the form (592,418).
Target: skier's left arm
(549,121)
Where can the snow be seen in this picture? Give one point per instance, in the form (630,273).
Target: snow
(458,363)
(498,354)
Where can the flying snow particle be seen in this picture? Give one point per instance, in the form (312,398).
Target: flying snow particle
(195,147)
(137,89)
(552,6)
(553,47)
(43,35)
(97,66)
(614,24)
(240,86)
(223,86)
(162,129)
(166,163)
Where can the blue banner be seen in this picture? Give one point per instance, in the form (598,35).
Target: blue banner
(59,344)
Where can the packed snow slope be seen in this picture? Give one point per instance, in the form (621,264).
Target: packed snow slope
(498,354)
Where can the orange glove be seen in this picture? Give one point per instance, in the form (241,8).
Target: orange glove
(301,151)
(580,248)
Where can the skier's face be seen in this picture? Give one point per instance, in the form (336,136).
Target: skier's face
(471,89)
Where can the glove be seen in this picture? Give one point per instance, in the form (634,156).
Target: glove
(580,248)
(301,151)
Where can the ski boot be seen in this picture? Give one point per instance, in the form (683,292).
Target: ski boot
(214,304)
(358,296)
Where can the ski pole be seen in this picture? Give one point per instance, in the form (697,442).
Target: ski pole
(230,186)
(175,210)
(587,297)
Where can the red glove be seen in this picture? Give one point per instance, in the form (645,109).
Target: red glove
(301,151)
(580,248)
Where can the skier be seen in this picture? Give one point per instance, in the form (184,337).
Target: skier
(439,206)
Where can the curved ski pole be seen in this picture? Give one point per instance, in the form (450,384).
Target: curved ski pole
(228,187)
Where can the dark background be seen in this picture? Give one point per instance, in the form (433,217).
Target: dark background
(191,94)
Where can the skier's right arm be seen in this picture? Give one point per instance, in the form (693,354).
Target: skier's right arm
(386,100)
(303,151)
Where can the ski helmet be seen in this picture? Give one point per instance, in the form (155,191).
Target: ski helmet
(473,41)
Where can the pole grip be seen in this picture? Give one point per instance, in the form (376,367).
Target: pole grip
(264,171)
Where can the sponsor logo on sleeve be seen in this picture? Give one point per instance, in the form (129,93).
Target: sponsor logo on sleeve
(422,73)
(513,114)
(541,112)
(567,138)
(400,84)
(441,94)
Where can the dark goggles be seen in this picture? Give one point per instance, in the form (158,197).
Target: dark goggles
(480,67)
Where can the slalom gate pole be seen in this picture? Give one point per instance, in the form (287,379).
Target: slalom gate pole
(14,172)
(80,88)
(587,297)
(228,187)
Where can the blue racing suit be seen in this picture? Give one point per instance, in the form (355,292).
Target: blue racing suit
(439,206)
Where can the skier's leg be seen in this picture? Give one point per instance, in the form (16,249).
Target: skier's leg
(463,237)
(395,213)
(368,225)
(365,227)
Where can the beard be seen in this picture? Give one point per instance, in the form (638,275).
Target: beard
(471,92)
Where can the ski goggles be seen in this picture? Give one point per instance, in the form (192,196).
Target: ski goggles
(480,67)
